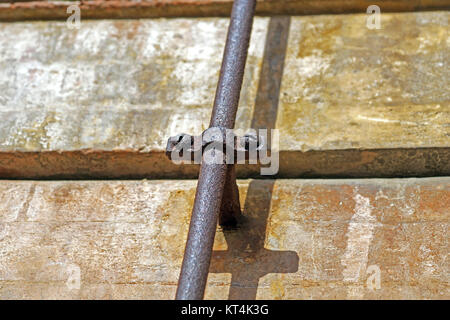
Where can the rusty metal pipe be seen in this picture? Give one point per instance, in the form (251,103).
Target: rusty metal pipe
(212,178)
(233,63)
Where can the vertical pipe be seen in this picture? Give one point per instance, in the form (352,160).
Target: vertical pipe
(211,181)
(233,64)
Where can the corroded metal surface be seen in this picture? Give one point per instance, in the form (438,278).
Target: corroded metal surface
(101,101)
(120,9)
(114,84)
(348,87)
(300,239)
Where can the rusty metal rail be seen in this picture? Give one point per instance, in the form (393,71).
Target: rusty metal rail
(217,196)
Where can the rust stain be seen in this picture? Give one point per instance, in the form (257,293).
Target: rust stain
(111,9)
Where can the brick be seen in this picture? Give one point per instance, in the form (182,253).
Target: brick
(101,101)
(300,239)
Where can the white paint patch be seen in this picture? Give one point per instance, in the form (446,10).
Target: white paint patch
(308,67)
(383,120)
(4,228)
(74,277)
(192,123)
(13,200)
(92,36)
(429,266)
(360,234)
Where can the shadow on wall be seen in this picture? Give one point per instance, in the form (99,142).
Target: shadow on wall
(246,258)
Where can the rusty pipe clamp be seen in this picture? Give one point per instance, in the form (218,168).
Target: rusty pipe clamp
(221,147)
(217,196)
(235,149)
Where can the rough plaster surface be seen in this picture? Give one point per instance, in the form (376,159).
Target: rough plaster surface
(300,239)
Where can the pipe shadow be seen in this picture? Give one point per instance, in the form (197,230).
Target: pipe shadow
(246,258)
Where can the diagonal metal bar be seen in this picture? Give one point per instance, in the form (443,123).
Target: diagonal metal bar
(214,178)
